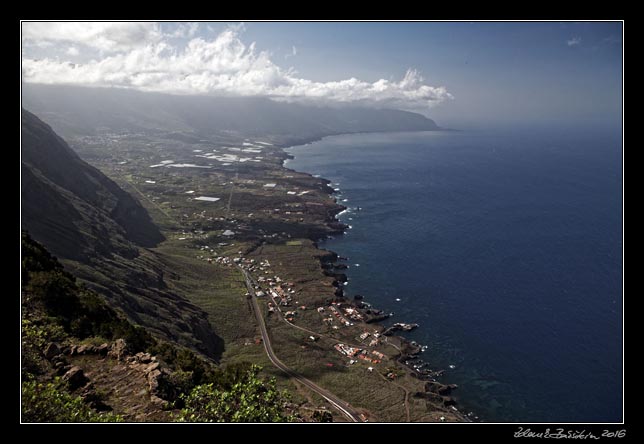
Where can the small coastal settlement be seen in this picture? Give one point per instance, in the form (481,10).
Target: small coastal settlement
(229,209)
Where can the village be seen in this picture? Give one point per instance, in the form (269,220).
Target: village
(280,298)
(279,295)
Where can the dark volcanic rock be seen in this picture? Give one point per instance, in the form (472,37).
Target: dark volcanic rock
(103,349)
(339,277)
(432,397)
(441,389)
(371,318)
(337,227)
(75,377)
(52,350)
(447,401)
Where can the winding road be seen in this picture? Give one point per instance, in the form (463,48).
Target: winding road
(340,405)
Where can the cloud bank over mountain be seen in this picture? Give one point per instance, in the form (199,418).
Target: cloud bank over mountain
(145,57)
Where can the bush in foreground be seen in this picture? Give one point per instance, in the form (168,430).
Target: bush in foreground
(248,400)
(47,402)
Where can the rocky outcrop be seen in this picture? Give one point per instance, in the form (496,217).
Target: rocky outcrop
(447,401)
(130,381)
(441,389)
(374,316)
(431,397)
(150,367)
(339,278)
(118,350)
(437,393)
(399,326)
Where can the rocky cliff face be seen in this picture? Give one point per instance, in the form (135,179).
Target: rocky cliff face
(71,206)
(100,233)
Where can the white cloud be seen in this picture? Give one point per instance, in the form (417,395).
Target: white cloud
(72,51)
(224,65)
(574,41)
(185,30)
(105,36)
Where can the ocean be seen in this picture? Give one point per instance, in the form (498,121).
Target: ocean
(505,246)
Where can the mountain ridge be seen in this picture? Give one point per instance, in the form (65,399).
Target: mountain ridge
(48,156)
(102,235)
(75,110)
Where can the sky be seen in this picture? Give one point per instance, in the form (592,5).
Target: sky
(461,74)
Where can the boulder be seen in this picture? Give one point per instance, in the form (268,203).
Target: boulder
(84,349)
(61,368)
(103,349)
(143,357)
(52,350)
(153,380)
(75,377)
(153,366)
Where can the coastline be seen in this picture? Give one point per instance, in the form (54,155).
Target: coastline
(282,225)
(408,351)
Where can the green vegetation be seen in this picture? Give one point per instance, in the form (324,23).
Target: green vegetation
(248,400)
(216,289)
(322,416)
(56,309)
(50,402)
(58,306)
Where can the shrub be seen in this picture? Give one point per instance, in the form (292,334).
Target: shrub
(248,400)
(322,416)
(48,402)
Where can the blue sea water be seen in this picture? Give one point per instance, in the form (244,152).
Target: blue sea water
(506,248)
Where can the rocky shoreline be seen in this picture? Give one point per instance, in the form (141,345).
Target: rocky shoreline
(409,351)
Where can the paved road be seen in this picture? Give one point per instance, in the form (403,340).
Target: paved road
(340,405)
